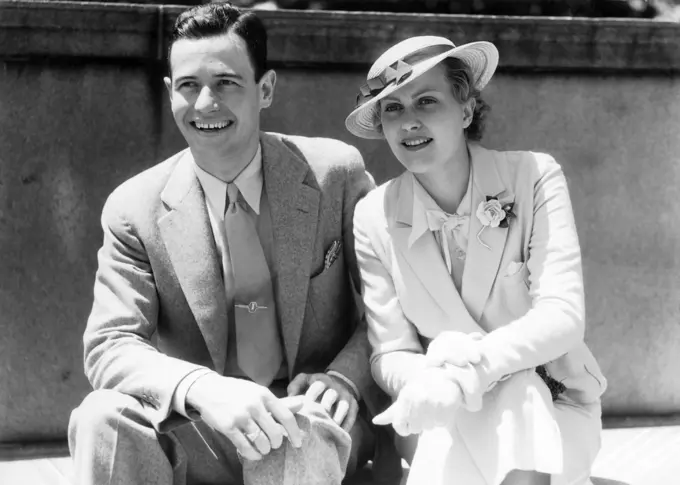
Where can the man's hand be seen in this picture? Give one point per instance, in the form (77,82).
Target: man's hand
(331,392)
(430,398)
(248,414)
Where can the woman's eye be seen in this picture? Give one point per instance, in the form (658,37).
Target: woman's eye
(391,107)
(428,101)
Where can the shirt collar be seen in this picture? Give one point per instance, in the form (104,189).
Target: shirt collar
(423,202)
(249,183)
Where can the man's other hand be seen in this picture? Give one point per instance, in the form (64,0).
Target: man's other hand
(248,414)
(333,394)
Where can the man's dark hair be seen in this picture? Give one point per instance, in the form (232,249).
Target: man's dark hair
(213,19)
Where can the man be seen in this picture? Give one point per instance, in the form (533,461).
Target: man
(236,255)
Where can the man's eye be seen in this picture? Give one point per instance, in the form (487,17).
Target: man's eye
(187,85)
(227,82)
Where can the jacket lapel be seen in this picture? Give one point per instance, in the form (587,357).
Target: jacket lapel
(424,257)
(189,240)
(294,212)
(481,265)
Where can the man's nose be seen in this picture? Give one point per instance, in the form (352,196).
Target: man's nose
(206,101)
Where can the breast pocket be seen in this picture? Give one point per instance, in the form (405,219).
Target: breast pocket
(327,289)
(512,287)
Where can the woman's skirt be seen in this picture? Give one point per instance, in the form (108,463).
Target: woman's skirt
(519,427)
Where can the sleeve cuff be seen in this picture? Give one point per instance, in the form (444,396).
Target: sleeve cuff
(347,381)
(180,395)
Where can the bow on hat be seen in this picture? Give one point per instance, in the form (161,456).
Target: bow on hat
(396,74)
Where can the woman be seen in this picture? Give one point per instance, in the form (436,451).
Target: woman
(472,282)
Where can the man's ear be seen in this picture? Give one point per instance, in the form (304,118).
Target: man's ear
(168,86)
(266,86)
(468,112)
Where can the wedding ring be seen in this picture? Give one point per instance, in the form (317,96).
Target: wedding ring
(254,435)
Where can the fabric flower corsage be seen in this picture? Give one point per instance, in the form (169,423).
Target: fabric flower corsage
(491,213)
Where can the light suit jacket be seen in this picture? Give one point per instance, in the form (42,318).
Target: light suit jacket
(159,275)
(525,292)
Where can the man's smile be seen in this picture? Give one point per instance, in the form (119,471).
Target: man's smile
(212,127)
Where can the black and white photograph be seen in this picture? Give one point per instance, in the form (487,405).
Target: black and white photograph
(340,242)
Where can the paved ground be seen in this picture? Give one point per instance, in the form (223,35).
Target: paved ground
(641,455)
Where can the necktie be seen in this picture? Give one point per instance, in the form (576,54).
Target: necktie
(257,340)
(446,224)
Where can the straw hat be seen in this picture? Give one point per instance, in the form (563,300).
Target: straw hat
(390,72)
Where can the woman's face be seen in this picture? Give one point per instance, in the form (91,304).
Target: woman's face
(423,123)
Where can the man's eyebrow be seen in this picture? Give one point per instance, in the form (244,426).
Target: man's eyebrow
(184,78)
(225,75)
(229,75)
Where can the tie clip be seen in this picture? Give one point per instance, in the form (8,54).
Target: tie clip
(252,307)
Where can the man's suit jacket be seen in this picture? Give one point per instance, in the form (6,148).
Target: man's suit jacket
(159,274)
(524,292)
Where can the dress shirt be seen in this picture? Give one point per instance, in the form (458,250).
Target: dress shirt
(250,185)
(458,238)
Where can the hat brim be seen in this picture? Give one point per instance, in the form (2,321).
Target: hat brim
(481,57)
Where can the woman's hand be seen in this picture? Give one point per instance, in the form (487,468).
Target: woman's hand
(431,396)
(457,354)
(429,399)
(455,348)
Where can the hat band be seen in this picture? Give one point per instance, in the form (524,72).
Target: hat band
(395,74)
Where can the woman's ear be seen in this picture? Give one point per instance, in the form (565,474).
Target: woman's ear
(468,112)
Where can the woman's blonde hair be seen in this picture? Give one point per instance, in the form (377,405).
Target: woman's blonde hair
(459,76)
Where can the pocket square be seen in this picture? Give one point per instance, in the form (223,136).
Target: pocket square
(513,267)
(332,254)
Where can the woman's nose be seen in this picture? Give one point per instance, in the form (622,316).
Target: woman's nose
(411,123)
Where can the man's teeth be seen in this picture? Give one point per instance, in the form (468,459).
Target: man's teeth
(212,126)
(415,143)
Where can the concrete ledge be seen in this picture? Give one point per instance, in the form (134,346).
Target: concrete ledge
(629,456)
(326,38)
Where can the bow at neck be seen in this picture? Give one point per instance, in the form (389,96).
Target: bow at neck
(449,224)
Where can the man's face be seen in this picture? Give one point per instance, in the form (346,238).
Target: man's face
(215,99)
